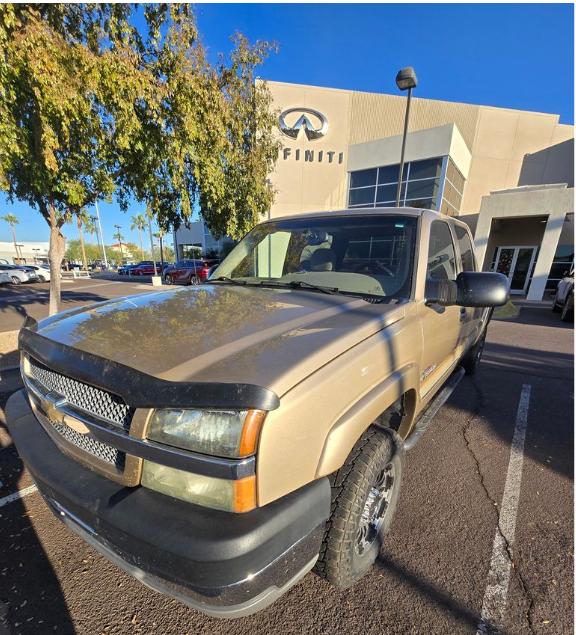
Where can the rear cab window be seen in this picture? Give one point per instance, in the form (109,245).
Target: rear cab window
(441,254)
(467,259)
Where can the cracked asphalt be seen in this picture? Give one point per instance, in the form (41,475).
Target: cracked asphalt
(432,573)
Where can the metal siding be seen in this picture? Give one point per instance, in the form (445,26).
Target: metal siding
(377,116)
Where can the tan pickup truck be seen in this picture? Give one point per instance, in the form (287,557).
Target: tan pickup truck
(220,441)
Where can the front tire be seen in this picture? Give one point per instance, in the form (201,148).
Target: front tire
(41,279)
(16,280)
(364,498)
(168,280)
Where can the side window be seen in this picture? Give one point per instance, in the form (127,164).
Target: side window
(466,250)
(441,254)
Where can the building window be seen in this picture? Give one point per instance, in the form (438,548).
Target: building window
(422,186)
(563,260)
(453,190)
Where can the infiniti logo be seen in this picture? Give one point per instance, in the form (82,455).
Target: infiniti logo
(314,123)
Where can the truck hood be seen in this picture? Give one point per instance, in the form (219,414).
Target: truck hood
(222,333)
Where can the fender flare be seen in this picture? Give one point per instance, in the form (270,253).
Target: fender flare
(348,428)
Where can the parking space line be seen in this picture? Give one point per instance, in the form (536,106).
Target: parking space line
(496,592)
(18,495)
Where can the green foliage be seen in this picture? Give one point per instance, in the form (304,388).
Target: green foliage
(89,107)
(74,251)
(10,219)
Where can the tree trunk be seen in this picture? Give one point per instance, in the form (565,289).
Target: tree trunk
(81,235)
(141,247)
(56,254)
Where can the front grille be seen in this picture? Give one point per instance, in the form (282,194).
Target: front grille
(97,449)
(99,403)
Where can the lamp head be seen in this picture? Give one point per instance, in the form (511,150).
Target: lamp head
(406,78)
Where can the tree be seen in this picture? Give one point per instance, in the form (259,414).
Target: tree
(89,104)
(210,143)
(82,218)
(139,223)
(13,221)
(119,238)
(67,86)
(74,251)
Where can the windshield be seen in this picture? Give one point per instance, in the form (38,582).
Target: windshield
(371,255)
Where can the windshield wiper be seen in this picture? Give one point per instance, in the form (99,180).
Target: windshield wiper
(300,284)
(227,279)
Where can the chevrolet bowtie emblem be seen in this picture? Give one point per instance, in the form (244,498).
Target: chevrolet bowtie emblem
(57,416)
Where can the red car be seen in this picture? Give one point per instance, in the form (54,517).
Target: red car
(146,268)
(188,271)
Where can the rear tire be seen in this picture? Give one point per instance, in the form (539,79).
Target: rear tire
(193,280)
(41,279)
(16,280)
(555,306)
(364,498)
(567,314)
(471,360)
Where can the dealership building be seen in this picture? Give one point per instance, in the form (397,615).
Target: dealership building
(508,173)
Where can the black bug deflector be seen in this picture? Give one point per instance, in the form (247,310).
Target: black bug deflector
(139,389)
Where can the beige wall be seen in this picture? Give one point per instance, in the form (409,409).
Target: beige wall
(498,140)
(502,140)
(303,185)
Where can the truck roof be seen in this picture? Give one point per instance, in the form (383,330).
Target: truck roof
(370,211)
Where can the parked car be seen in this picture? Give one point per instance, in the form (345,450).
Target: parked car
(146,268)
(18,274)
(264,435)
(123,270)
(189,271)
(5,278)
(42,272)
(564,297)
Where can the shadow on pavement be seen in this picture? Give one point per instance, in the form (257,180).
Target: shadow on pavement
(528,360)
(31,598)
(428,589)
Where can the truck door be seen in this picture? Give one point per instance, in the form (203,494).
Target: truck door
(442,327)
(472,318)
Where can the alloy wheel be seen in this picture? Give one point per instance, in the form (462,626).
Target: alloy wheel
(375,508)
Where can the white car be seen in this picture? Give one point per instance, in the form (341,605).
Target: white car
(42,271)
(564,298)
(5,278)
(18,275)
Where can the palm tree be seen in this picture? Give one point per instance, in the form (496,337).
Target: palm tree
(82,218)
(150,216)
(13,221)
(139,223)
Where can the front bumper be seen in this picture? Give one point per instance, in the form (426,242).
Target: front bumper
(223,564)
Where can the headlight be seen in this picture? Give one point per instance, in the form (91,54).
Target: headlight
(217,493)
(228,433)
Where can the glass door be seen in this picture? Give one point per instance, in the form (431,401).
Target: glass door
(516,263)
(523,268)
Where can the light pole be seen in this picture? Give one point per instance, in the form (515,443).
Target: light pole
(405,80)
(35,250)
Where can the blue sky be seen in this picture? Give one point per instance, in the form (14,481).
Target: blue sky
(510,55)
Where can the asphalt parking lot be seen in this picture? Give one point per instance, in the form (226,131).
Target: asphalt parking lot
(484,527)
(32,298)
